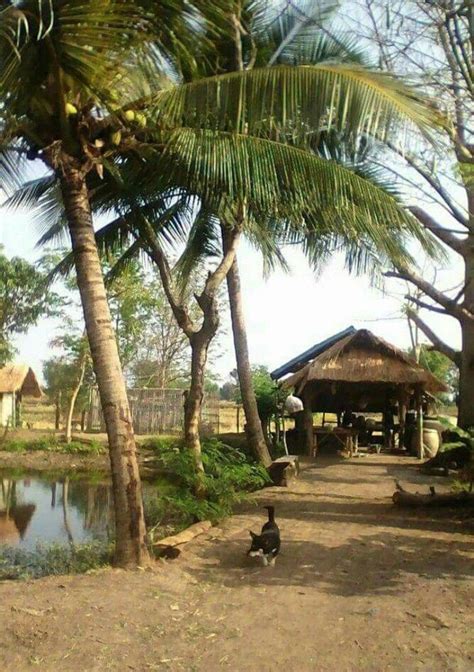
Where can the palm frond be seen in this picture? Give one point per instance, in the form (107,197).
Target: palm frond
(295,102)
(334,46)
(295,26)
(268,237)
(203,243)
(13,165)
(124,261)
(281,181)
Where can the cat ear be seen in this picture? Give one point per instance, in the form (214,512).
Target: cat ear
(252,534)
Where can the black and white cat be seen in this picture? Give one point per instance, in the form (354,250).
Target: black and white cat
(266,545)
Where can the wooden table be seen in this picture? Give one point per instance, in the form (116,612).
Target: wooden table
(348,437)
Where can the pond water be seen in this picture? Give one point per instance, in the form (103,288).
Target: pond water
(37,507)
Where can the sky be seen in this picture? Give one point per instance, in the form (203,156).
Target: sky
(286,313)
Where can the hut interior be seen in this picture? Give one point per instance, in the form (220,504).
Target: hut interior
(377,394)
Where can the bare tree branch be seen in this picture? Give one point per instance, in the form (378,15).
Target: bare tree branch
(438,344)
(153,248)
(450,306)
(432,225)
(434,183)
(423,304)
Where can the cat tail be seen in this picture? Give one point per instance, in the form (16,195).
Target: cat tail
(271,513)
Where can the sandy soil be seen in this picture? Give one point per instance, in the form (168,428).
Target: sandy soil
(359,585)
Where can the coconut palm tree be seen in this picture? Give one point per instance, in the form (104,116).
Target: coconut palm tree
(263,36)
(66,66)
(246,136)
(299,35)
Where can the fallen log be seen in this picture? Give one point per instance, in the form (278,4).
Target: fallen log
(168,546)
(403,498)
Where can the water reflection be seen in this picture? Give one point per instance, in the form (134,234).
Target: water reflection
(38,508)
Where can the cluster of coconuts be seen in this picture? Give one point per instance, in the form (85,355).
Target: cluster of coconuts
(116,137)
(138,117)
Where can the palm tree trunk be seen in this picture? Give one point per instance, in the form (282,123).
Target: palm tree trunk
(131,549)
(73,399)
(193,404)
(466,364)
(254,431)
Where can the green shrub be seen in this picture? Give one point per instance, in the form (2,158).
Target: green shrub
(229,476)
(46,560)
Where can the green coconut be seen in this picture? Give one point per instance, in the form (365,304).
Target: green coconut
(140,119)
(116,138)
(71,110)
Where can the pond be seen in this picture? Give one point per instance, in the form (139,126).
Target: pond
(60,507)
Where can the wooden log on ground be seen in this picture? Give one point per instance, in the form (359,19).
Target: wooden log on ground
(403,498)
(284,470)
(168,547)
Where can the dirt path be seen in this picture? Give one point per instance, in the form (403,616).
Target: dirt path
(359,585)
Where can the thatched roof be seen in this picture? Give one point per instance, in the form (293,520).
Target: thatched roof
(363,357)
(298,362)
(19,378)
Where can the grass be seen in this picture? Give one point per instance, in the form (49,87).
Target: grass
(53,559)
(52,444)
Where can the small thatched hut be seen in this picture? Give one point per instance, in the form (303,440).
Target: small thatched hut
(16,381)
(358,371)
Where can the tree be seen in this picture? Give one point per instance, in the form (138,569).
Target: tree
(229,390)
(57,375)
(295,34)
(68,379)
(439,180)
(24,298)
(222,140)
(153,349)
(70,374)
(267,395)
(64,69)
(443,368)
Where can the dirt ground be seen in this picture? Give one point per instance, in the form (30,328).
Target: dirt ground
(359,585)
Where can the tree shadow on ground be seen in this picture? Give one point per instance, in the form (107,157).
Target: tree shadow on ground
(320,509)
(355,472)
(375,564)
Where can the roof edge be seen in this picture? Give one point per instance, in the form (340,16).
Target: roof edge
(306,356)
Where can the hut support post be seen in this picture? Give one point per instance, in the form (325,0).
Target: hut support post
(308,423)
(402,414)
(419,423)
(285,445)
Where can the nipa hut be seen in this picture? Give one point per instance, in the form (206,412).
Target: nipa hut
(16,381)
(358,371)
